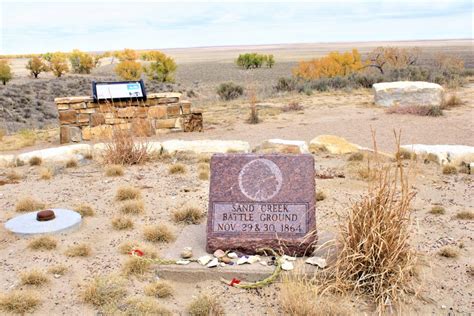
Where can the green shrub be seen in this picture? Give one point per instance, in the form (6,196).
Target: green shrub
(229,91)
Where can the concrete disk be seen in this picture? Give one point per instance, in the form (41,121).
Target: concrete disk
(28,225)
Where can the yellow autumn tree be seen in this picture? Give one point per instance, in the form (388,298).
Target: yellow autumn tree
(58,64)
(392,57)
(332,65)
(128,68)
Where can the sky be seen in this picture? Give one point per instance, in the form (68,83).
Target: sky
(39,27)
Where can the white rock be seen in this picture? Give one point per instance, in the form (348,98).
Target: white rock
(222,264)
(317,261)
(287,266)
(408,93)
(205,146)
(204,259)
(283,146)
(57,154)
(219,253)
(183,262)
(7,160)
(253,259)
(446,154)
(242,260)
(214,263)
(264,263)
(288,258)
(232,255)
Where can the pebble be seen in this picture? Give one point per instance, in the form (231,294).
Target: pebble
(187,253)
(204,260)
(214,263)
(183,262)
(264,263)
(288,258)
(219,253)
(317,261)
(287,266)
(242,260)
(232,255)
(253,259)
(226,259)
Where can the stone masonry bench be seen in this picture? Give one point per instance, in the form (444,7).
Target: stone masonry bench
(82,119)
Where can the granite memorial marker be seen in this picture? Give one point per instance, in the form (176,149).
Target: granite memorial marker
(260,201)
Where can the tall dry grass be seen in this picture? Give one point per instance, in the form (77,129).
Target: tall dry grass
(124,149)
(375,257)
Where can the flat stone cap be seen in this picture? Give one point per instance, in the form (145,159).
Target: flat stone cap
(406,85)
(164,95)
(69,100)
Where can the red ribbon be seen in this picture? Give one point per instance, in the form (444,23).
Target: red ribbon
(137,252)
(234,281)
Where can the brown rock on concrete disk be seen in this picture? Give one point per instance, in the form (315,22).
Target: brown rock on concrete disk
(258,201)
(46,215)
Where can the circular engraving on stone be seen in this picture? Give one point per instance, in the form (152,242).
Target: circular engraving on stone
(260,179)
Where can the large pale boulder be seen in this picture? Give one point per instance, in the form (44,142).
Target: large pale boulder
(56,154)
(283,146)
(205,146)
(408,93)
(333,144)
(447,154)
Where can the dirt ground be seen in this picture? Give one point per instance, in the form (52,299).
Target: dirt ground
(445,285)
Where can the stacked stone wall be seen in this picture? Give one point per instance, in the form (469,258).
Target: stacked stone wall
(82,119)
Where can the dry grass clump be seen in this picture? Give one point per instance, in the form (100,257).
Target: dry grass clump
(126,248)
(81,250)
(28,204)
(159,289)
(293,106)
(416,110)
(449,252)
(431,158)
(58,269)
(104,290)
(13,175)
(437,210)
(465,215)
(132,207)
(72,163)
(159,233)
(122,223)
(205,159)
(19,302)
(33,277)
(203,170)
(127,193)
(46,173)
(114,170)
(188,215)
(84,210)
(358,156)
(204,305)
(375,257)
(135,266)
(35,161)
(366,173)
(404,154)
(123,149)
(299,297)
(43,243)
(449,169)
(451,101)
(177,168)
(145,306)
(203,175)
(88,155)
(320,196)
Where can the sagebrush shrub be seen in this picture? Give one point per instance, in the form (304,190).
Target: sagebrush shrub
(229,91)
